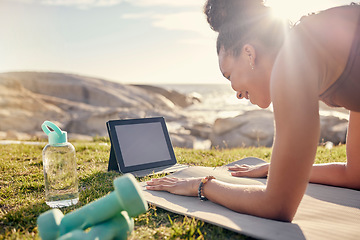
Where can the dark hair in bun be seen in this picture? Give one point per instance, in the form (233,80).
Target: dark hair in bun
(241,21)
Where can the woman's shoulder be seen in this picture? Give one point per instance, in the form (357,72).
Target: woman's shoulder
(326,38)
(339,22)
(319,45)
(332,25)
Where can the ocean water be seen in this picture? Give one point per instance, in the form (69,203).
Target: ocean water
(217,100)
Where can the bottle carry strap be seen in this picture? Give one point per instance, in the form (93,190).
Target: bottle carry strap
(56,136)
(45,127)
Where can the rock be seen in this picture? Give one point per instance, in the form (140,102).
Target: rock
(182,140)
(79,137)
(2,135)
(201,130)
(78,104)
(174,96)
(87,90)
(256,128)
(15,135)
(333,129)
(24,111)
(253,128)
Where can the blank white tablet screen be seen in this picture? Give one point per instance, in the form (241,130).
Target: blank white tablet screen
(142,143)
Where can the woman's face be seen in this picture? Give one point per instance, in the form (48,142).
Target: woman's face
(249,80)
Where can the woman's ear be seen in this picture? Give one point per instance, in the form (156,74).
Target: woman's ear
(250,53)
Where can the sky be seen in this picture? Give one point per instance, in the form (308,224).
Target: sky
(127,41)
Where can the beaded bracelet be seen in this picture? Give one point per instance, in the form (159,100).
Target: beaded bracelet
(201,185)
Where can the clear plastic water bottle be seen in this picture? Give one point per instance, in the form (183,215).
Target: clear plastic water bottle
(59,161)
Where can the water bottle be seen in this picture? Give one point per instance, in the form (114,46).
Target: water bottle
(59,161)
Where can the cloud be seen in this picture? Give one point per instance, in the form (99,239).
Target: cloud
(137,15)
(193,21)
(104,3)
(172,3)
(72,3)
(82,3)
(22,1)
(199,41)
(185,21)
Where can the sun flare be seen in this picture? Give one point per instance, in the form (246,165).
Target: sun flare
(294,10)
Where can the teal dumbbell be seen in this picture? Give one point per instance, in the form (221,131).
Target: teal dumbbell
(49,223)
(127,196)
(117,228)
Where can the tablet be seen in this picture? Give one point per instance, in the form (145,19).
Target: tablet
(139,144)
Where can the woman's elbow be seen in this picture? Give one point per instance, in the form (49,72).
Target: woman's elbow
(351,178)
(281,209)
(353,182)
(283,214)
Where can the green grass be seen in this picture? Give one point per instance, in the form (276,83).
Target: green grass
(22,189)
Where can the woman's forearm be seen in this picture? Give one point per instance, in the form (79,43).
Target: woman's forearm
(248,199)
(334,174)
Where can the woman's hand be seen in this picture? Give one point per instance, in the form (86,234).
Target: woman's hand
(179,186)
(245,170)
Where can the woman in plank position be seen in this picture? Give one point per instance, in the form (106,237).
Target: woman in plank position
(318,59)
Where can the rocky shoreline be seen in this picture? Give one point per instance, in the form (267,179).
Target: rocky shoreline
(82,105)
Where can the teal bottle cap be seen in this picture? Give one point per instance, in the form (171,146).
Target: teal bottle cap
(56,136)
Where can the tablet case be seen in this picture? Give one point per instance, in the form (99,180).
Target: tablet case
(114,164)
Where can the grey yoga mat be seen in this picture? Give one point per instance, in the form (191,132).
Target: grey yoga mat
(325,212)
